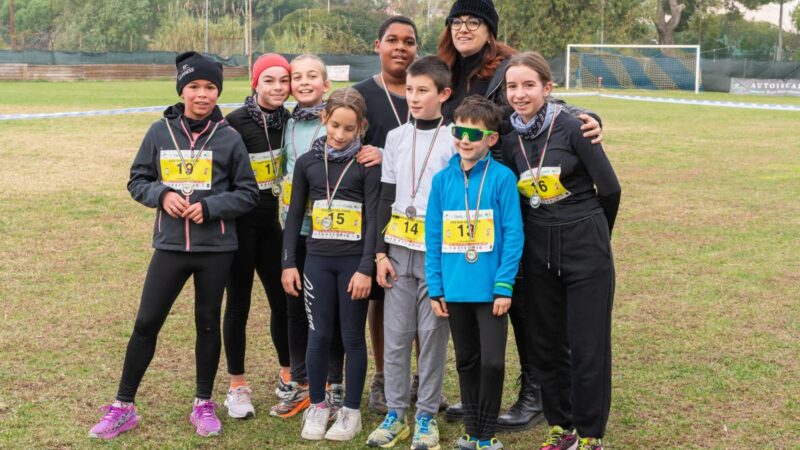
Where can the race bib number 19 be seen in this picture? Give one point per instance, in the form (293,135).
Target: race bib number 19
(177,173)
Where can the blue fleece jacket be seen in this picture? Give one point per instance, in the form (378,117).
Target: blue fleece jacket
(449,275)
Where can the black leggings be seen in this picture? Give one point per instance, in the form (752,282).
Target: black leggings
(298,334)
(260,240)
(325,282)
(166,276)
(479,338)
(570,282)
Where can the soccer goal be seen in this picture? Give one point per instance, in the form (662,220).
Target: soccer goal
(633,66)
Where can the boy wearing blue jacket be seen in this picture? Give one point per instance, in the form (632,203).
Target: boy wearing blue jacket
(474,240)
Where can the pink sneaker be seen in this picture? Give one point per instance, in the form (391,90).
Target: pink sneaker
(204,418)
(116,421)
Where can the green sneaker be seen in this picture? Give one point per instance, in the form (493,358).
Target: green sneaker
(389,433)
(426,433)
(466,442)
(590,444)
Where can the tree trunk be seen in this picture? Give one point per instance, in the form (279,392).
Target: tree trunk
(666,28)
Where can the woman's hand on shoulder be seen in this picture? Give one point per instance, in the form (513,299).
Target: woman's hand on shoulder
(369,156)
(591,128)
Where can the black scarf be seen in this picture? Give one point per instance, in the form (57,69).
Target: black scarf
(275,119)
(301,114)
(530,130)
(320,148)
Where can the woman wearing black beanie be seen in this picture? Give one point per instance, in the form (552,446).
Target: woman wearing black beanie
(478,62)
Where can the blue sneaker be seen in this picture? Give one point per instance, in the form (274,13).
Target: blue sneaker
(389,433)
(426,433)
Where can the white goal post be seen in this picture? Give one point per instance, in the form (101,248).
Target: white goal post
(633,66)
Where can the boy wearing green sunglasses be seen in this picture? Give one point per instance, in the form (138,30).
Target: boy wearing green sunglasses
(474,240)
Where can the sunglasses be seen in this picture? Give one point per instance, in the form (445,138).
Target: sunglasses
(472,134)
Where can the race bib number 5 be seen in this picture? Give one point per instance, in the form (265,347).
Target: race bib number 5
(456,231)
(342,221)
(548,186)
(177,172)
(406,232)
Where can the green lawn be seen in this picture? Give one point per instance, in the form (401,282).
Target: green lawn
(706,320)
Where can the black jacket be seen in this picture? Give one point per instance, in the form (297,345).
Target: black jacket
(233,189)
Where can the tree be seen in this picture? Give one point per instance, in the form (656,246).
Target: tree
(666,27)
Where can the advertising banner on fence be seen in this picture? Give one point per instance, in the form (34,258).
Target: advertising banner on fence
(765,86)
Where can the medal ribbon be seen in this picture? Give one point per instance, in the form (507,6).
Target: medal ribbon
(541,157)
(416,181)
(271,157)
(338,182)
(192,142)
(391,103)
(478,204)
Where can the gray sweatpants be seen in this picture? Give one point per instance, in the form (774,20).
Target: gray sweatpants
(407,313)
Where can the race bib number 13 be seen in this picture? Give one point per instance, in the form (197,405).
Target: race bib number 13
(456,231)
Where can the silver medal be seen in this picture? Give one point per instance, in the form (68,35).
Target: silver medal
(187,188)
(411,212)
(471,255)
(535,201)
(276,190)
(327,223)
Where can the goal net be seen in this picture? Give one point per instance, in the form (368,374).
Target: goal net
(633,66)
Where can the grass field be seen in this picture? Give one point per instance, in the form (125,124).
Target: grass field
(706,321)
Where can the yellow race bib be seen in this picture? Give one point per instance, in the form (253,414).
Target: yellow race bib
(548,186)
(405,232)
(456,233)
(342,221)
(265,169)
(177,173)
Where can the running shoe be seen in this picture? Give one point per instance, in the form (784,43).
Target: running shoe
(117,420)
(334,397)
(315,421)
(347,425)
(377,397)
(591,444)
(204,418)
(560,439)
(426,433)
(389,433)
(239,404)
(296,401)
(466,442)
(284,387)
(493,444)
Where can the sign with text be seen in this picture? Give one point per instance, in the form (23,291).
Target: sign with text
(765,86)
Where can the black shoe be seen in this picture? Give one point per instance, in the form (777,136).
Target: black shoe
(527,411)
(454,413)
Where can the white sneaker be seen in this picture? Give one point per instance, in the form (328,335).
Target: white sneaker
(239,404)
(347,425)
(315,421)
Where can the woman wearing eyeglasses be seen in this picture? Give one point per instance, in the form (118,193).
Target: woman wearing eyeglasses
(478,61)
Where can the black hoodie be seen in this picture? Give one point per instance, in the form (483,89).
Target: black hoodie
(232,191)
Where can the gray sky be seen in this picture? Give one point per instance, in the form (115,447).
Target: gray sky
(769,13)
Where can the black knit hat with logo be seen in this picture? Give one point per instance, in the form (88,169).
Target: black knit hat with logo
(195,66)
(483,9)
